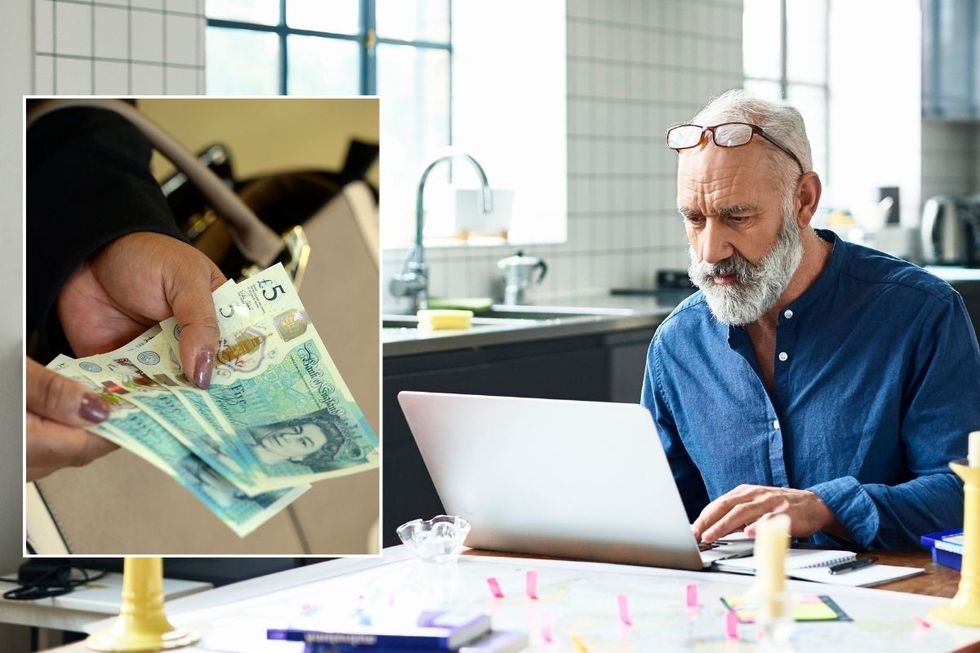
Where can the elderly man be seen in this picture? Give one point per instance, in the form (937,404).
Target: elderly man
(809,376)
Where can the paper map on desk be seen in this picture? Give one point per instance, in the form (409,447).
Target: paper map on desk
(576,607)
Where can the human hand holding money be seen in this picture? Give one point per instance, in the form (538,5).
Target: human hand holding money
(276,417)
(134,282)
(58,409)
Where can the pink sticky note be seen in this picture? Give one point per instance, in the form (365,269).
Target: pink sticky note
(495,588)
(922,622)
(624,609)
(546,628)
(532,584)
(731,625)
(692,595)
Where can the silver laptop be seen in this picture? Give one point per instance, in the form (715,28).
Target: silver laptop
(575,479)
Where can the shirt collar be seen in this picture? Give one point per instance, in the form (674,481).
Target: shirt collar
(826,280)
(828,276)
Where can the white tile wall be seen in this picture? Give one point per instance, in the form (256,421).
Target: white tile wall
(119,47)
(950,159)
(634,68)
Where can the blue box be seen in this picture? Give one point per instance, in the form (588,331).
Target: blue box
(949,555)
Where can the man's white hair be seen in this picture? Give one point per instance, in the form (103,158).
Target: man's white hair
(781,121)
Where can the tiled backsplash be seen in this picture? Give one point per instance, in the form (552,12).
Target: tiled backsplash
(119,47)
(632,72)
(950,158)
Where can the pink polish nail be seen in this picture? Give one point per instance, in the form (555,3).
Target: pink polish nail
(94,408)
(203,366)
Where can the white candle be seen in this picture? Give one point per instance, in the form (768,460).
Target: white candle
(771,542)
(973,457)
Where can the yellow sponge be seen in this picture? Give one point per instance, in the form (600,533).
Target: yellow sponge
(436,319)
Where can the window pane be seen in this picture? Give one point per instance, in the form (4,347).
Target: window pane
(763,90)
(323,66)
(338,16)
(806,41)
(242,62)
(760,39)
(812,103)
(414,83)
(265,12)
(413,20)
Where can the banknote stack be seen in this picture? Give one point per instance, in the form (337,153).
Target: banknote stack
(276,417)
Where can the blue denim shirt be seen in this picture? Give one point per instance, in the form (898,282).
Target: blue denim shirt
(878,391)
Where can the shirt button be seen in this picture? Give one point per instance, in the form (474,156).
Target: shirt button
(783,356)
(775,424)
(788,313)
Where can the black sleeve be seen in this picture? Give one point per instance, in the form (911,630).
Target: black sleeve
(88,183)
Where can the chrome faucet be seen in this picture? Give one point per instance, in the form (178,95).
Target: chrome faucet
(413,280)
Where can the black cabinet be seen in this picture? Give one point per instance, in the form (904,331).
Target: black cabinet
(597,367)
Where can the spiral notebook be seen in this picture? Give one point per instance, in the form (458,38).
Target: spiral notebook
(814,565)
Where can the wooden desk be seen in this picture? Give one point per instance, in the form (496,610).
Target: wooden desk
(937,581)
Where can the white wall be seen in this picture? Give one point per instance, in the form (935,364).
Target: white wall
(875,103)
(634,67)
(15,52)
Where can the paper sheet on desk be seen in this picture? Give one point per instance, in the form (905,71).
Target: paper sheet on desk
(866,577)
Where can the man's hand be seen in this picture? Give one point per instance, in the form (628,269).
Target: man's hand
(134,282)
(742,507)
(56,409)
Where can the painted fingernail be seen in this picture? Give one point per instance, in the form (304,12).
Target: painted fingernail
(203,366)
(94,408)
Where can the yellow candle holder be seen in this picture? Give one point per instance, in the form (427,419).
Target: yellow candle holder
(142,624)
(964,609)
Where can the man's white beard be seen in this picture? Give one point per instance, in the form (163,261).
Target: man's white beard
(757,287)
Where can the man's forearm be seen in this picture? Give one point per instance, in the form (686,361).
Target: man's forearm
(874,515)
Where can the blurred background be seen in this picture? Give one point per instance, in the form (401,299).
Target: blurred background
(564,106)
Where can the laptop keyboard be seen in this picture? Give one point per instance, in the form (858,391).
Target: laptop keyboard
(707,546)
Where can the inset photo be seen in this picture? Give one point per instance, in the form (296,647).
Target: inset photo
(203,338)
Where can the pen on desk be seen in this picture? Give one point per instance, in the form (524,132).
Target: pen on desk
(845,567)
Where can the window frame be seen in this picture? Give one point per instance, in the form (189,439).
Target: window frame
(366,38)
(785,82)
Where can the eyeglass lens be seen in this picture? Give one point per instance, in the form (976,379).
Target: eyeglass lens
(732,135)
(725,135)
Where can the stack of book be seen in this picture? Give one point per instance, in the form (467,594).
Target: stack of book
(431,631)
(946,546)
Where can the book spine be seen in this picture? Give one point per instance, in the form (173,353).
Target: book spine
(359,641)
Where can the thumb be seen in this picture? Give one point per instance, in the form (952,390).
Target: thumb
(189,295)
(60,399)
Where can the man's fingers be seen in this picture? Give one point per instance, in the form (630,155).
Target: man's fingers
(721,507)
(51,446)
(58,398)
(781,508)
(189,295)
(711,513)
(739,516)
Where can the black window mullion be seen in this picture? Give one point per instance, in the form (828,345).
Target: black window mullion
(283,51)
(367,39)
(369,65)
(450,44)
(783,51)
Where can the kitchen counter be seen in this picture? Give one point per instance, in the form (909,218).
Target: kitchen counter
(584,315)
